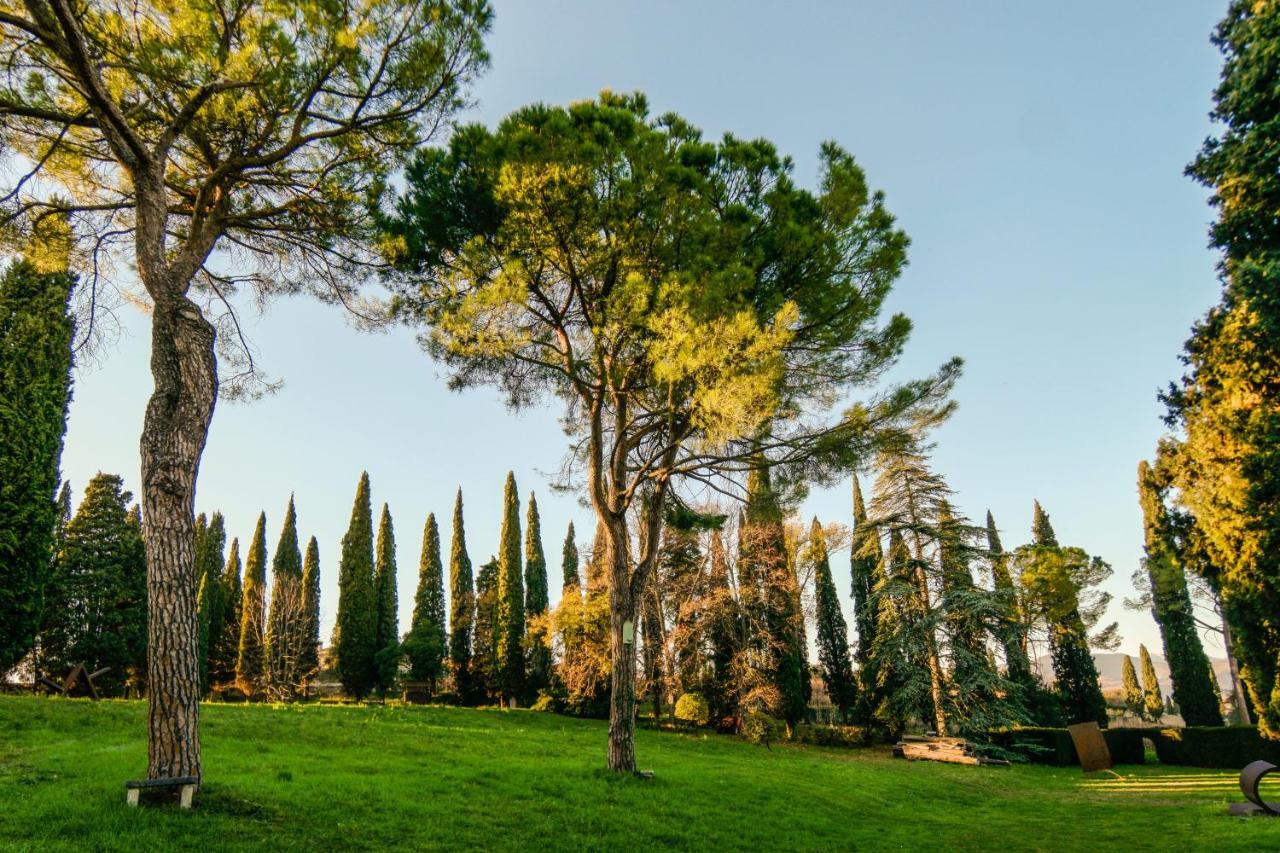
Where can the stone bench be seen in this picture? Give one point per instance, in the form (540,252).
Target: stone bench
(186,784)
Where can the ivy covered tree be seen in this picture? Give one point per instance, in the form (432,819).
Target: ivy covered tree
(1152,698)
(226,643)
(1131,690)
(508,650)
(208,148)
(697,311)
(356,629)
(833,631)
(96,611)
(1195,689)
(1226,407)
(309,631)
(386,632)
(1059,587)
(251,664)
(537,599)
(426,644)
(462,606)
(286,618)
(35,390)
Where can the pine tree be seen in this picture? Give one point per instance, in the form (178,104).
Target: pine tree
(509,647)
(35,390)
(309,631)
(833,632)
(387,623)
(763,558)
(97,594)
(251,661)
(462,607)
(1194,687)
(536,601)
(1131,691)
(356,628)
(226,642)
(426,643)
(1152,698)
(286,617)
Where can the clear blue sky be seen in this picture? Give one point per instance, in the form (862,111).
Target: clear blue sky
(1033,152)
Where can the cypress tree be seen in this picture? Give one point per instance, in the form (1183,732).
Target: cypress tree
(356,628)
(1195,689)
(285,619)
(569,561)
(204,604)
(833,632)
(866,570)
(309,631)
(387,623)
(210,548)
(571,592)
(226,642)
(251,660)
(1131,691)
(97,594)
(1012,633)
(461,606)
(484,659)
(536,601)
(1073,665)
(425,646)
(509,646)
(35,390)
(1152,699)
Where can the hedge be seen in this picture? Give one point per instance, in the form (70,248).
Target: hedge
(1225,747)
(843,736)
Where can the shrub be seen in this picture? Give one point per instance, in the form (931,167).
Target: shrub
(1228,747)
(762,729)
(841,736)
(693,708)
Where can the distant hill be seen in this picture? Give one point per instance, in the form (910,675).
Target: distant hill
(1109,668)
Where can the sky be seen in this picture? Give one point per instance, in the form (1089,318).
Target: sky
(1032,151)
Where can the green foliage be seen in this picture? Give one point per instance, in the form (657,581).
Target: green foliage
(286,619)
(426,645)
(309,631)
(462,606)
(846,737)
(1011,630)
(226,646)
(387,663)
(1194,687)
(356,630)
(693,708)
(569,560)
(96,611)
(536,602)
(1226,466)
(508,649)
(1152,698)
(386,633)
(1131,691)
(251,671)
(1225,747)
(866,570)
(723,625)
(35,390)
(211,605)
(762,729)
(484,669)
(833,633)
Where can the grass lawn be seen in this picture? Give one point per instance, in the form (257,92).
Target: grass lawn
(326,778)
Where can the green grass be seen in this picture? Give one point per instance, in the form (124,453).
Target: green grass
(323,778)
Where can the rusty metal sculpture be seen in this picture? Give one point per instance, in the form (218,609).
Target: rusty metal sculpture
(1250,779)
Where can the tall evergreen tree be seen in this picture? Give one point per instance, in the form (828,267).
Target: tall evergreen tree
(536,601)
(1194,687)
(426,644)
(211,542)
(569,561)
(286,618)
(485,680)
(309,657)
(509,648)
(226,643)
(251,671)
(1011,630)
(866,570)
(35,390)
(387,621)
(763,558)
(1152,698)
(356,628)
(571,593)
(1131,690)
(462,606)
(97,598)
(833,632)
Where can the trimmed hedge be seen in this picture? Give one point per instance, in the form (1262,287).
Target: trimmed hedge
(842,736)
(1225,747)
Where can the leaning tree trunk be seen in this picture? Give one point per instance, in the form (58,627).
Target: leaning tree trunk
(184,369)
(1237,686)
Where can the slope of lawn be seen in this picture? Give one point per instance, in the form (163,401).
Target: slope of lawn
(369,777)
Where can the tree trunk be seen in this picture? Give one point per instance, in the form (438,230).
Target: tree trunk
(184,369)
(1237,686)
(622,695)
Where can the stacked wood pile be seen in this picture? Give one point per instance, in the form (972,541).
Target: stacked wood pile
(953,750)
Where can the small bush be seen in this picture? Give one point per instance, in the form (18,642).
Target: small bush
(693,708)
(762,729)
(847,737)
